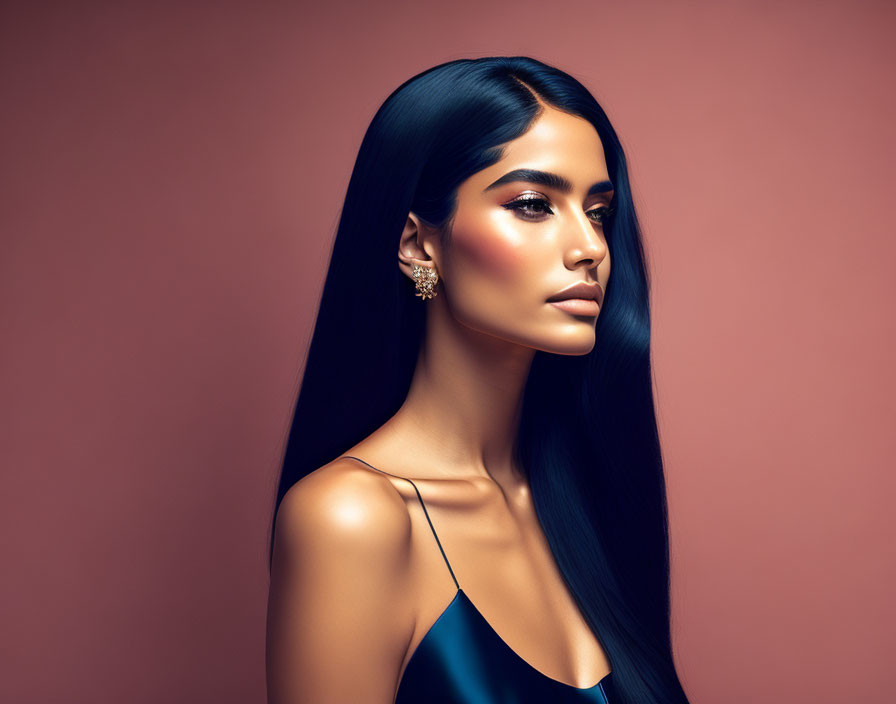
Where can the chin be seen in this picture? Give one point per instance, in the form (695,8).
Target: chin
(577,341)
(573,351)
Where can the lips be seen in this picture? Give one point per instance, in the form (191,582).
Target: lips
(580,290)
(577,306)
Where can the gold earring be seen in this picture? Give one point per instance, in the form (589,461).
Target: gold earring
(425,279)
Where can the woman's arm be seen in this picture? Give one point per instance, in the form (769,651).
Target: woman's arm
(339,616)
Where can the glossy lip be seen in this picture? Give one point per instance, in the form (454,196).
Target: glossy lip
(578,306)
(580,290)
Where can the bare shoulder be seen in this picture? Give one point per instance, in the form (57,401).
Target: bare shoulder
(343,504)
(340,580)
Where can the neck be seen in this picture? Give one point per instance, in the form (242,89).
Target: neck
(465,399)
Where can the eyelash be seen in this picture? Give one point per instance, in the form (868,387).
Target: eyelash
(521,205)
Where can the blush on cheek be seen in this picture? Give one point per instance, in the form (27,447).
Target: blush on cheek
(495,254)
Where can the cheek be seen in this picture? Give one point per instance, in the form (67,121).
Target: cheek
(492,251)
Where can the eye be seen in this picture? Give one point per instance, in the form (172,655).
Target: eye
(602,214)
(530,207)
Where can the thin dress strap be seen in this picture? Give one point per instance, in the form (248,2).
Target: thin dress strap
(425,513)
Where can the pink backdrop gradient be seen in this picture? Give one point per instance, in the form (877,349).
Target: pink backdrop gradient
(171,179)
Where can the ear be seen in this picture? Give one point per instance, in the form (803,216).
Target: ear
(418,245)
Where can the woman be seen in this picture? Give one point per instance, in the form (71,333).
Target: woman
(472,504)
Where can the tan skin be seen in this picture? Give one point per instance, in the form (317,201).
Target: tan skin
(357,578)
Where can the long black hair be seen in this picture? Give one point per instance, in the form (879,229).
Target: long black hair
(588,440)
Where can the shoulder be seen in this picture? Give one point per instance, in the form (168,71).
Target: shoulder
(340,584)
(343,505)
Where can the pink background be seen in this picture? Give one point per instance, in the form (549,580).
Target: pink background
(171,180)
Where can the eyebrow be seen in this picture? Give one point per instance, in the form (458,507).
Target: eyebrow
(546,178)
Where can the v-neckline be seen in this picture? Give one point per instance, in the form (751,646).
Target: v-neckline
(459,595)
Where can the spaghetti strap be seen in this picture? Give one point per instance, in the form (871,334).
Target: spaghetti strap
(425,513)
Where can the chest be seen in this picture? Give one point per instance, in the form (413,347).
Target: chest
(508,602)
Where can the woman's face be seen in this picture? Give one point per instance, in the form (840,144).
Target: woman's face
(518,239)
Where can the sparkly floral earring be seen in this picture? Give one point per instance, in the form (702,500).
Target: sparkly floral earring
(425,280)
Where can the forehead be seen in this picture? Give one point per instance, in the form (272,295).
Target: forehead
(558,142)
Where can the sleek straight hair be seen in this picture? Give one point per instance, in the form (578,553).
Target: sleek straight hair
(588,440)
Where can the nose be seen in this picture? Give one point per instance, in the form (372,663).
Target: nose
(587,243)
